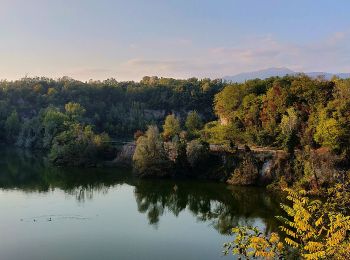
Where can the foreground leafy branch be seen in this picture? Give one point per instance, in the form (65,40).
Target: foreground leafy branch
(315,229)
(249,243)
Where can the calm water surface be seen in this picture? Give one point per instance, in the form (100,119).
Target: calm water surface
(51,213)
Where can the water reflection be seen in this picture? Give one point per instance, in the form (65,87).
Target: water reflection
(219,205)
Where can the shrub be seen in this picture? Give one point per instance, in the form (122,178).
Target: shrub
(246,173)
(171,127)
(197,153)
(78,146)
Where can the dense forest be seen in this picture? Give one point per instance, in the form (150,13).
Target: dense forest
(302,122)
(74,121)
(290,112)
(306,117)
(117,108)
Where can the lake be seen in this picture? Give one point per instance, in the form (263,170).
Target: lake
(55,213)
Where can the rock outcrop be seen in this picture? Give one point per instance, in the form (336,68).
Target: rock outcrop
(125,154)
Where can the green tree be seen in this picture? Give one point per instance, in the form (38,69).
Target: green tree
(289,122)
(74,110)
(228,101)
(78,146)
(12,126)
(193,123)
(53,123)
(289,125)
(197,153)
(329,133)
(30,135)
(150,158)
(171,126)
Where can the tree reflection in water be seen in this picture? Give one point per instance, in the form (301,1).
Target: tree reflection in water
(220,205)
(31,173)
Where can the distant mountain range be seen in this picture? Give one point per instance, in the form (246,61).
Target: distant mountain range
(271,72)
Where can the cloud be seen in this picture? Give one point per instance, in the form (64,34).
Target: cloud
(337,37)
(332,54)
(257,53)
(136,68)
(183,58)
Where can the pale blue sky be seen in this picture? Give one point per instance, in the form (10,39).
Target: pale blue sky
(128,39)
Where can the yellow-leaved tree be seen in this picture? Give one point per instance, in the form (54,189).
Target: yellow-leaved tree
(315,229)
(249,242)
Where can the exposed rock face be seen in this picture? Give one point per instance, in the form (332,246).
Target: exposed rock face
(125,154)
(153,113)
(266,168)
(265,173)
(254,166)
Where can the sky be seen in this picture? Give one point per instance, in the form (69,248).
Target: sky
(129,39)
